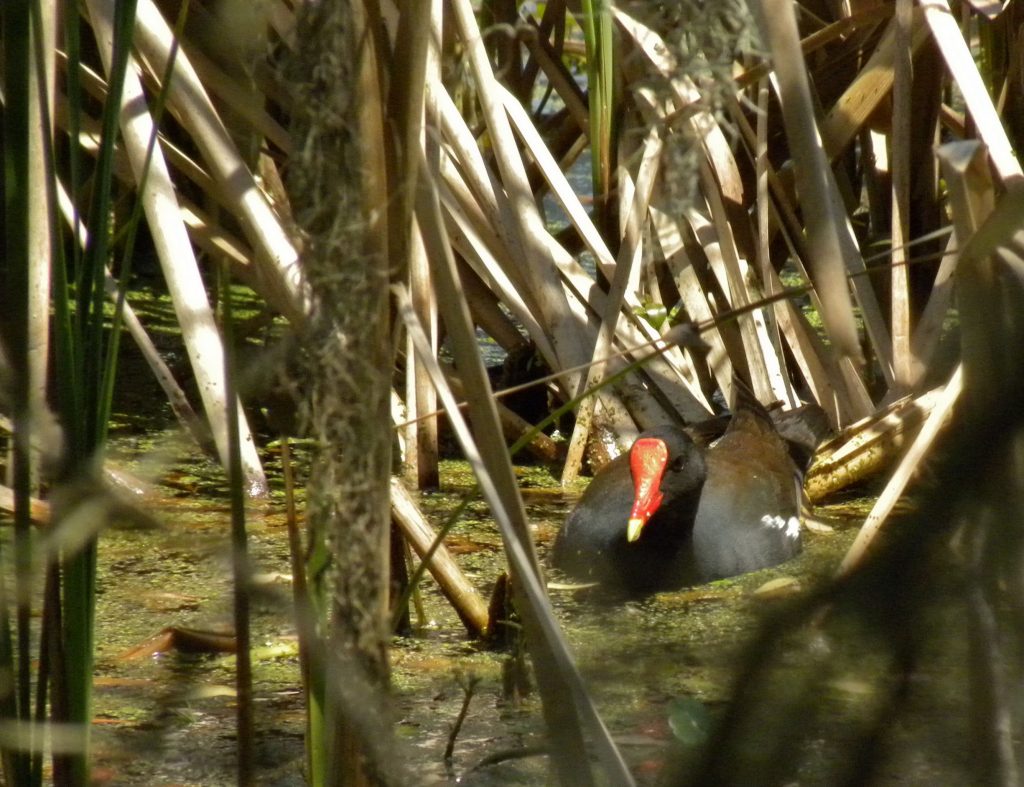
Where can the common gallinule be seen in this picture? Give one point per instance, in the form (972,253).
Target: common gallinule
(749,512)
(669,514)
(650,493)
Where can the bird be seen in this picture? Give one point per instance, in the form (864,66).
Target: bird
(630,531)
(670,513)
(748,517)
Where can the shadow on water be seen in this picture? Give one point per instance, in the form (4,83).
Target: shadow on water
(170,718)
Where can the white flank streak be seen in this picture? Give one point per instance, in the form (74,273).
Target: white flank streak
(790,526)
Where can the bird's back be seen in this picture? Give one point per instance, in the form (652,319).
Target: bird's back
(748,517)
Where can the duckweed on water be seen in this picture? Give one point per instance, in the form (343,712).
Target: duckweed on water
(640,658)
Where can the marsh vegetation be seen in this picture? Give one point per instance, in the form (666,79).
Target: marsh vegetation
(288,229)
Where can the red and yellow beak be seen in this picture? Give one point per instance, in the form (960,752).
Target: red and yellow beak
(647,460)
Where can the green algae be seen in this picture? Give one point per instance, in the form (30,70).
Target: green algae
(642,659)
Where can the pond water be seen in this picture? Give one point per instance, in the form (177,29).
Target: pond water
(169,719)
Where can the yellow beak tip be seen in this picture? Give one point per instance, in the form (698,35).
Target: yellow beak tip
(633,529)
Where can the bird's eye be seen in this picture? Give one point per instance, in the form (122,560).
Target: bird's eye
(677,464)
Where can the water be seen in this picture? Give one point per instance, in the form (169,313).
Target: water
(171,717)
